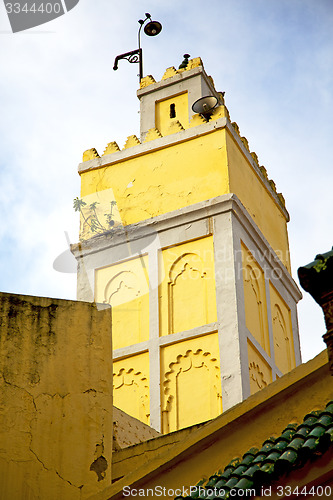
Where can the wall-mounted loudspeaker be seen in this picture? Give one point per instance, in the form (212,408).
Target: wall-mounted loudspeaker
(205,105)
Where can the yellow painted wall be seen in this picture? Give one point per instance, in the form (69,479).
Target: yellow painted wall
(163,120)
(282,332)
(183,174)
(55,399)
(258,202)
(164,180)
(125,286)
(160,181)
(190,382)
(187,293)
(255,299)
(179,460)
(131,386)
(259,370)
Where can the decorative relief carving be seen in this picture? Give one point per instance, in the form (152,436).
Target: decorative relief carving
(90,154)
(182,404)
(187,293)
(122,288)
(187,261)
(127,292)
(134,385)
(257,375)
(281,337)
(254,305)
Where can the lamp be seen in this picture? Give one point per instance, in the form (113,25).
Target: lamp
(151,28)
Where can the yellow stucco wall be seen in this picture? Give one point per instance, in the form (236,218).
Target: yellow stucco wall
(255,299)
(257,200)
(186,300)
(55,399)
(187,365)
(131,386)
(164,180)
(187,293)
(150,180)
(257,323)
(259,370)
(185,173)
(125,286)
(163,110)
(282,332)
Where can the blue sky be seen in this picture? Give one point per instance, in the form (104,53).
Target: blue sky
(60,96)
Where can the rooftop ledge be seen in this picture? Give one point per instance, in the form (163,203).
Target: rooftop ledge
(285,400)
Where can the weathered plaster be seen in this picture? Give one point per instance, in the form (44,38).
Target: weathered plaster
(55,398)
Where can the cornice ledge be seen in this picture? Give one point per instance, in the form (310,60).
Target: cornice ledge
(154,145)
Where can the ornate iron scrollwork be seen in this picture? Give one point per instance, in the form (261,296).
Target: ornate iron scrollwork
(134,56)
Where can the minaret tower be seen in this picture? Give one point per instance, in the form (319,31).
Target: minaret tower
(184,234)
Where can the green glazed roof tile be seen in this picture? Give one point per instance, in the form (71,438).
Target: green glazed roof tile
(295,445)
(244,484)
(231,483)
(329,407)
(227,473)
(221,483)
(240,469)
(213,480)
(249,473)
(326,440)
(249,456)
(289,455)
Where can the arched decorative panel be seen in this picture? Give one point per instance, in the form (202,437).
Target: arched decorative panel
(282,332)
(131,393)
(126,290)
(191,390)
(255,300)
(281,340)
(187,293)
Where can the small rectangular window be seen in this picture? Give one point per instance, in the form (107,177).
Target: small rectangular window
(172,111)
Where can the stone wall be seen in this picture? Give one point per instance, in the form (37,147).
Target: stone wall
(55,398)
